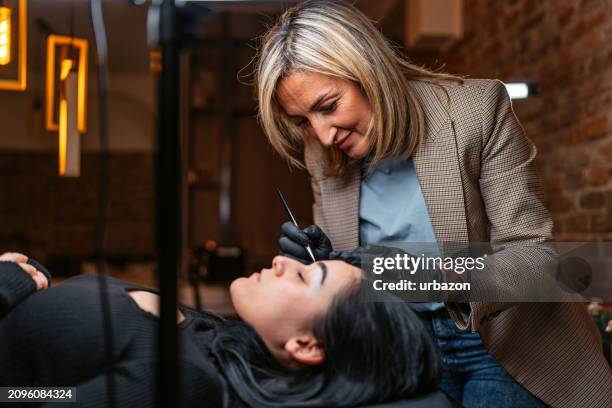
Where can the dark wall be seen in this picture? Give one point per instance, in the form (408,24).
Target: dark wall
(48,216)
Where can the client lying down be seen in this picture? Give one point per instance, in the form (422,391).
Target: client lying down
(305,338)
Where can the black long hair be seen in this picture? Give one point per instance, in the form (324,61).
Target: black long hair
(374,352)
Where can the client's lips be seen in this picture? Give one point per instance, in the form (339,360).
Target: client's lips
(345,141)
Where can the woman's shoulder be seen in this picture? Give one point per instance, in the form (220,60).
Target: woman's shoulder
(456,89)
(466,103)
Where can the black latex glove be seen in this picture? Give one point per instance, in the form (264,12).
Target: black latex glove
(293,241)
(355,257)
(350,257)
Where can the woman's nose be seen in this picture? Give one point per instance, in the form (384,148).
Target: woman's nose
(278,266)
(324,132)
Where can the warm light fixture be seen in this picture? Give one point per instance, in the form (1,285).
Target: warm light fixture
(5,35)
(68,69)
(74,44)
(8,53)
(63,135)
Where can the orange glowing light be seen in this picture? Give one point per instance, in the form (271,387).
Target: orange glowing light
(81,45)
(5,35)
(63,135)
(6,46)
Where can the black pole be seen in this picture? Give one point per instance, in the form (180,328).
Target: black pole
(168,231)
(97,20)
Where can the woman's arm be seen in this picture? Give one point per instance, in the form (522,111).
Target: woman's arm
(19,278)
(513,197)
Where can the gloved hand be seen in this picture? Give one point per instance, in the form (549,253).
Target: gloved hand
(353,257)
(293,241)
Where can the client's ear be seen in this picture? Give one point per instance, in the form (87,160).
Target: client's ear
(305,350)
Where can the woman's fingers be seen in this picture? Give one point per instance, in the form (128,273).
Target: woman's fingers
(41,281)
(289,247)
(28,268)
(14,257)
(295,234)
(39,278)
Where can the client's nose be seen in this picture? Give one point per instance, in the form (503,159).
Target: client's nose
(279,264)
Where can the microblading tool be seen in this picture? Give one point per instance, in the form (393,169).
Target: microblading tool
(292,218)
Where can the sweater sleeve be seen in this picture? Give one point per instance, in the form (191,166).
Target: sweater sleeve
(15,285)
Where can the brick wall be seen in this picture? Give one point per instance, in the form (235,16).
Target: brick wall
(47,216)
(564,46)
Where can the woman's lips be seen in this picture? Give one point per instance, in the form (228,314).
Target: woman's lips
(345,142)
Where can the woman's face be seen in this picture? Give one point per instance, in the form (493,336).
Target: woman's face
(334,111)
(282,302)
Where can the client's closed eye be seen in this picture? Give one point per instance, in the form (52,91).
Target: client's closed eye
(316,276)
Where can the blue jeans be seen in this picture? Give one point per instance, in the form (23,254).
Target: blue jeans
(471,376)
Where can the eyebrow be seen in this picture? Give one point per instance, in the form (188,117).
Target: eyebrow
(319,100)
(324,269)
(316,104)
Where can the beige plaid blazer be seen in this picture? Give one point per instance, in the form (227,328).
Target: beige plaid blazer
(477,173)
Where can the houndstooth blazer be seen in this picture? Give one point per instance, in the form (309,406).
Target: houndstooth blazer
(477,174)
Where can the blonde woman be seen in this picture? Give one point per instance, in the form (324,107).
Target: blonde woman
(400,153)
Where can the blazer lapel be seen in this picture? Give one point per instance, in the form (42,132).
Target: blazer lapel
(436,163)
(437,167)
(341,204)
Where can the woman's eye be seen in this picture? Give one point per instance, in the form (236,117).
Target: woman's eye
(331,107)
(301,276)
(300,122)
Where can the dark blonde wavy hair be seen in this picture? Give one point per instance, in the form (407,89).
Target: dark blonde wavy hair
(334,38)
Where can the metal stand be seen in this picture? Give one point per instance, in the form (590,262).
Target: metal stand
(168,192)
(173,28)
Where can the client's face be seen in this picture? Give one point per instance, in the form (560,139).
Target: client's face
(282,302)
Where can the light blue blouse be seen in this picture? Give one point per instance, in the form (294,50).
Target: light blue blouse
(392,209)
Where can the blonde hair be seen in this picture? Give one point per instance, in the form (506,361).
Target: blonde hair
(334,38)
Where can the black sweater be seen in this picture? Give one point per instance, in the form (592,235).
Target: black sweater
(55,338)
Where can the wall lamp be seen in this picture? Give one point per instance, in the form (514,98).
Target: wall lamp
(13,59)
(66,98)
